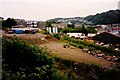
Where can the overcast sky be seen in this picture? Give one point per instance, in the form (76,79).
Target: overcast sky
(47,9)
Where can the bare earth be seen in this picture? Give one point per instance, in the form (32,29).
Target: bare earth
(55,47)
(76,54)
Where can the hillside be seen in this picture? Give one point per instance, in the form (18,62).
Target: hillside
(22,60)
(72,20)
(109,17)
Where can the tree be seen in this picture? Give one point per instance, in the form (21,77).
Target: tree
(109,17)
(57,36)
(84,30)
(70,26)
(9,23)
(48,24)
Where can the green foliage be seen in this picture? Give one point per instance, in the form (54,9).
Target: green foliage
(79,30)
(91,30)
(21,61)
(45,32)
(48,24)
(77,45)
(57,36)
(111,74)
(82,44)
(9,23)
(88,71)
(54,20)
(70,26)
(109,17)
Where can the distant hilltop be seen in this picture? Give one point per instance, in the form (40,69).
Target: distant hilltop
(108,17)
(72,20)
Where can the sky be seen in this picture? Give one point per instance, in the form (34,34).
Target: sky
(47,9)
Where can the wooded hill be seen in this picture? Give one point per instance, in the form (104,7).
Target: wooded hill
(109,17)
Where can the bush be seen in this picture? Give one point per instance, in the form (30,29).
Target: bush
(111,74)
(82,44)
(56,36)
(89,71)
(45,32)
(21,61)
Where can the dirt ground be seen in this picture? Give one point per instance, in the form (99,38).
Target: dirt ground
(28,36)
(76,54)
(56,47)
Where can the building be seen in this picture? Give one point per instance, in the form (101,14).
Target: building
(52,30)
(59,25)
(77,35)
(108,38)
(41,25)
(20,22)
(18,26)
(101,28)
(78,25)
(90,35)
(31,23)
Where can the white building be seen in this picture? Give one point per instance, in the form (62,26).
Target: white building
(49,29)
(31,23)
(77,35)
(90,35)
(55,30)
(52,30)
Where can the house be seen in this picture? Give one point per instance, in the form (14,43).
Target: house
(41,25)
(78,25)
(31,23)
(101,28)
(20,22)
(108,38)
(59,25)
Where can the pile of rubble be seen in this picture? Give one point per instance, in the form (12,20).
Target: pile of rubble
(101,55)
